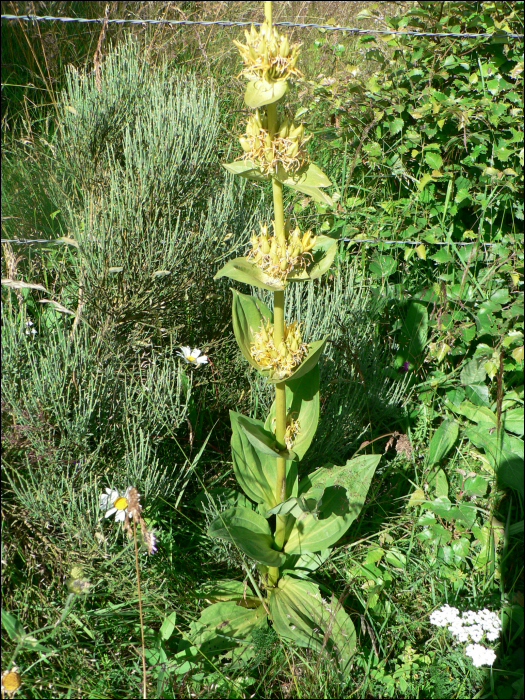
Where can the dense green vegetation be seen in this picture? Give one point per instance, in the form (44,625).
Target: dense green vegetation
(117,164)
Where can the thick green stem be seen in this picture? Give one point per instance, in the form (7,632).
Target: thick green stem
(268,11)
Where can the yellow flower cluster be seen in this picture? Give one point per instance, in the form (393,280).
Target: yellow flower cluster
(276,258)
(267,55)
(284,359)
(287,147)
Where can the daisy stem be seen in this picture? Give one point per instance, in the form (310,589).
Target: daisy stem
(144,692)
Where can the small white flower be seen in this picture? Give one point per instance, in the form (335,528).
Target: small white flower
(193,357)
(480,655)
(117,504)
(444,616)
(29,322)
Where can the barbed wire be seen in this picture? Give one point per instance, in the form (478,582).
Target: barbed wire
(226,23)
(377,241)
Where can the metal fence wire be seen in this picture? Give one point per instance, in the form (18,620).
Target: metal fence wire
(226,23)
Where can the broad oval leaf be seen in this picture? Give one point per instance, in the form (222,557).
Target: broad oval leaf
(312,358)
(250,532)
(255,471)
(308,180)
(323,254)
(260,92)
(300,614)
(442,441)
(243,270)
(302,403)
(247,169)
(263,440)
(221,627)
(310,175)
(248,314)
(342,492)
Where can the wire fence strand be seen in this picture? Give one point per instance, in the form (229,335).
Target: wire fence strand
(227,23)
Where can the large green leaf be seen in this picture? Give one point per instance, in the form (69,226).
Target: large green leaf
(312,358)
(414,334)
(243,270)
(246,168)
(307,180)
(342,492)
(504,452)
(323,254)
(302,403)
(263,440)
(248,314)
(250,532)
(302,564)
(300,614)
(229,590)
(260,92)
(222,628)
(255,471)
(442,441)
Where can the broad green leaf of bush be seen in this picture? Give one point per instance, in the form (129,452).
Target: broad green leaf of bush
(301,615)
(256,471)
(413,335)
(442,441)
(250,532)
(302,404)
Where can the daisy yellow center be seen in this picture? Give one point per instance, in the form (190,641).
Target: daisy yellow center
(190,358)
(11,681)
(120,503)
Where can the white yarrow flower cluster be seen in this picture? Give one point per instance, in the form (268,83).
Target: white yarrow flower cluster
(470,627)
(480,655)
(29,329)
(193,357)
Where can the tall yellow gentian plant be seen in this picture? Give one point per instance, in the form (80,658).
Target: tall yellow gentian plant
(289,531)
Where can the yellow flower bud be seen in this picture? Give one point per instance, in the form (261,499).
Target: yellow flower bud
(265,246)
(292,150)
(245,144)
(282,349)
(283,129)
(284,49)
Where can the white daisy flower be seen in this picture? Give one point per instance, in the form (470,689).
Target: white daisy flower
(193,357)
(117,503)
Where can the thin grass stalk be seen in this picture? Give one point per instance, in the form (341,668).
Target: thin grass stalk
(144,690)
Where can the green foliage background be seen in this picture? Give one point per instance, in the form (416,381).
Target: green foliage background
(423,140)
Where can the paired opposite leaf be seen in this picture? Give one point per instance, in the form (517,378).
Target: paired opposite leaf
(341,493)
(263,440)
(247,169)
(307,180)
(260,92)
(300,614)
(256,472)
(302,404)
(248,314)
(247,272)
(250,532)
